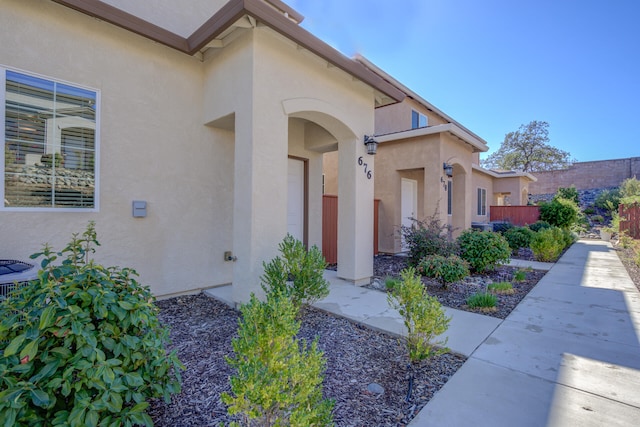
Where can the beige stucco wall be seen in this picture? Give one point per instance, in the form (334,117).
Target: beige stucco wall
(154,147)
(514,187)
(422,159)
(205,144)
(397,117)
(289,104)
(481,180)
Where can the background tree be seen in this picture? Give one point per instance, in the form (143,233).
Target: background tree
(528,150)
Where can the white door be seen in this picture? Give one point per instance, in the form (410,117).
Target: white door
(295,199)
(409,203)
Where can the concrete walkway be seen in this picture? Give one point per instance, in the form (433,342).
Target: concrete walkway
(568,355)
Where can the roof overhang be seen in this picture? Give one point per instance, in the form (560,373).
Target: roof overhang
(413,95)
(272,13)
(505,174)
(476,143)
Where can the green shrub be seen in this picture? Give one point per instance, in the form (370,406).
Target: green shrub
(589,210)
(568,193)
(46,159)
(539,225)
(598,219)
(483,250)
(390,283)
(445,269)
(561,213)
(630,187)
(482,300)
(548,244)
(429,237)
(502,227)
(518,237)
(608,199)
(82,345)
(422,314)
(278,378)
(500,288)
(520,276)
(298,274)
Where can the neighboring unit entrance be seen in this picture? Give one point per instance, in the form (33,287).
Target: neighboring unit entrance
(295,199)
(409,203)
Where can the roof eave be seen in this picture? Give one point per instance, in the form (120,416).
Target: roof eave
(224,19)
(476,143)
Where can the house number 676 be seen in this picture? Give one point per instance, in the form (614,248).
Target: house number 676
(367,171)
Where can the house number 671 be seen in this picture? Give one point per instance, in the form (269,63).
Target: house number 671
(367,171)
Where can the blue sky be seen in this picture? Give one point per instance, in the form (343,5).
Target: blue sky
(493,65)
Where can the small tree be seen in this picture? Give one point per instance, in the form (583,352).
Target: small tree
(298,274)
(278,378)
(528,150)
(422,314)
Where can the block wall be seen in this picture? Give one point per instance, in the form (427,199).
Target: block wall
(587,175)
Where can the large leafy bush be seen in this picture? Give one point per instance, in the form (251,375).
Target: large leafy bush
(539,225)
(428,237)
(82,345)
(278,379)
(560,212)
(569,193)
(518,237)
(445,269)
(547,245)
(422,314)
(483,250)
(298,274)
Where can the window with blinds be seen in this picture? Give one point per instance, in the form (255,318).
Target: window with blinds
(50,144)
(482,201)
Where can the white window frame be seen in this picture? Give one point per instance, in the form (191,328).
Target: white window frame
(96,166)
(482,201)
(421,119)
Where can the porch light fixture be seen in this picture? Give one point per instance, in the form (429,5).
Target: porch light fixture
(372,145)
(448,169)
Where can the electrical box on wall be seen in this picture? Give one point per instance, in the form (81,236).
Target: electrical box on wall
(139,208)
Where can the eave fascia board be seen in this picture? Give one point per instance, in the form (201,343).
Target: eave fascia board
(113,15)
(476,143)
(510,174)
(225,18)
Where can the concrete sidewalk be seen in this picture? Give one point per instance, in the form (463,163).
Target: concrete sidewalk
(368,307)
(568,355)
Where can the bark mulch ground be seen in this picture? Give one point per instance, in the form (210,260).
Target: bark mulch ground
(202,330)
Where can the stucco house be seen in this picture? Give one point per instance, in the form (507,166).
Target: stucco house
(428,163)
(194,137)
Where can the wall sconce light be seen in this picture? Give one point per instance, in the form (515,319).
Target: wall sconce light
(448,169)
(372,144)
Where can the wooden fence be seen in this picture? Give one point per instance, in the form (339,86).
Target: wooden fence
(516,215)
(330,228)
(630,220)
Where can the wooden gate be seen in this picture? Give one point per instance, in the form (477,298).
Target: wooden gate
(330,228)
(516,215)
(630,220)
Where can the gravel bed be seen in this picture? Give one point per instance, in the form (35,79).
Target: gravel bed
(627,256)
(456,294)
(202,330)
